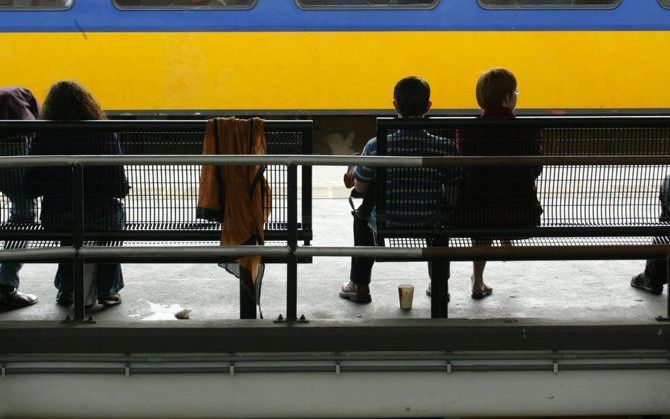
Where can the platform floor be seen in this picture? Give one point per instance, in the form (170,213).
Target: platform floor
(571,290)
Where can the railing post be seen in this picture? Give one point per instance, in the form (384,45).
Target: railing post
(78,240)
(291,264)
(307,184)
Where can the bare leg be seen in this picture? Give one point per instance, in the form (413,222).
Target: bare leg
(478,266)
(478,275)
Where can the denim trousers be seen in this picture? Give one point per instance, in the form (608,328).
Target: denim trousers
(21,210)
(361,267)
(109,276)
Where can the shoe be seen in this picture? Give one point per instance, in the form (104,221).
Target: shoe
(481,295)
(642,282)
(13,299)
(356,293)
(65,298)
(429,292)
(111,300)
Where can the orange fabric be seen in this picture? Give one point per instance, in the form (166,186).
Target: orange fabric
(243,211)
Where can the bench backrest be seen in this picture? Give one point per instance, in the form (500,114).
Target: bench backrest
(161,195)
(574,195)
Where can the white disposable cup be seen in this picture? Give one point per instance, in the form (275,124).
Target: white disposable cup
(406,294)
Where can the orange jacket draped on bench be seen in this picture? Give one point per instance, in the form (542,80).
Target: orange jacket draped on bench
(237,196)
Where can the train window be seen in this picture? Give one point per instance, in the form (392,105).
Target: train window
(367,4)
(548,4)
(184,4)
(35,4)
(665,3)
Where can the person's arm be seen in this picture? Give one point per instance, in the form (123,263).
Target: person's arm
(364,175)
(360,187)
(116,182)
(36,176)
(349,175)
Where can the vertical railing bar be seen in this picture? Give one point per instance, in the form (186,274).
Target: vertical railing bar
(78,240)
(291,264)
(307,185)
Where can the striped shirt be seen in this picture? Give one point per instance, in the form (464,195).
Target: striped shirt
(415,197)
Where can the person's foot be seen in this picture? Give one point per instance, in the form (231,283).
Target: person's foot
(642,282)
(356,293)
(11,299)
(65,298)
(111,300)
(483,293)
(479,292)
(429,292)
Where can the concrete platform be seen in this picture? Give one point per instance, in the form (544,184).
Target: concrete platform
(573,290)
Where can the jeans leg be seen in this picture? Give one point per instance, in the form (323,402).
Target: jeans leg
(9,273)
(20,211)
(361,268)
(656,271)
(438,270)
(109,275)
(109,279)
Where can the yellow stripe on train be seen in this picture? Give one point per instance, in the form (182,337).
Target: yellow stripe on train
(340,70)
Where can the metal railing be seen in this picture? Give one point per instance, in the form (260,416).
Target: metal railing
(80,252)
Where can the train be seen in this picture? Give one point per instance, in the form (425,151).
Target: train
(340,57)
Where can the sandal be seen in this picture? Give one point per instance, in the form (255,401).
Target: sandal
(481,295)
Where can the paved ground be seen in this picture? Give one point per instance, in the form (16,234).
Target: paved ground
(589,290)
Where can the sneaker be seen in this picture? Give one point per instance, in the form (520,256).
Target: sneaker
(65,298)
(356,293)
(642,282)
(111,300)
(11,298)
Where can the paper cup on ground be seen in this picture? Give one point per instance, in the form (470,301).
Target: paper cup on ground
(406,294)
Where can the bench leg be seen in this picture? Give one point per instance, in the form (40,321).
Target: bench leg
(667,281)
(439,278)
(247,301)
(78,284)
(439,300)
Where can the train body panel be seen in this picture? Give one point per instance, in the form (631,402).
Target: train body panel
(279,58)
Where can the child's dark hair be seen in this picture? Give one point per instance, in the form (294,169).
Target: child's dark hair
(412,95)
(494,86)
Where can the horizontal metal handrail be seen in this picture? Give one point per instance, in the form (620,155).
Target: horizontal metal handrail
(323,160)
(36,255)
(528,121)
(139,125)
(211,253)
(563,121)
(183,251)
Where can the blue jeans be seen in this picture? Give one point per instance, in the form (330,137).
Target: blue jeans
(21,210)
(109,277)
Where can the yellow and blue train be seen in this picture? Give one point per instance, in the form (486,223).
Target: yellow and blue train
(339,56)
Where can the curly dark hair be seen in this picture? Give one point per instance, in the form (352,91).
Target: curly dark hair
(69,101)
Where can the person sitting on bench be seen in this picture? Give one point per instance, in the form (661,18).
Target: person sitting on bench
(656,270)
(411,99)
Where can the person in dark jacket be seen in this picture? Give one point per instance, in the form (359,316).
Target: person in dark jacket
(104,186)
(656,270)
(15,103)
(498,197)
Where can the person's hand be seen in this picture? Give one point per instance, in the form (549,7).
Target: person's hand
(349,175)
